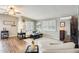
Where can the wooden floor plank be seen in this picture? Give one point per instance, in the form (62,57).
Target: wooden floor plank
(12,45)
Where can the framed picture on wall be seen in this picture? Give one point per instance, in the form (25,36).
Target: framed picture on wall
(12,23)
(62,24)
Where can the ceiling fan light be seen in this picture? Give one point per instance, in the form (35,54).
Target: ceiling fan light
(11,12)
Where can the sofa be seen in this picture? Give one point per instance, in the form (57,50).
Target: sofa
(47,44)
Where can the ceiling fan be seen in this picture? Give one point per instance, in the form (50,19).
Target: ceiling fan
(10,10)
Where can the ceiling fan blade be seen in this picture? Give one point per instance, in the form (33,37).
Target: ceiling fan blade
(18,12)
(3,9)
(5,12)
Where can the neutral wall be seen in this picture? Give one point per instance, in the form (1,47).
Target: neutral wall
(27,26)
(12,29)
(56,34)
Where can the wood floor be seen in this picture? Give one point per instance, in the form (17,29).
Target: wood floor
(12,45)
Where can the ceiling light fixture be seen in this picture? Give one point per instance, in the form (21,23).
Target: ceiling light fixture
(11,10)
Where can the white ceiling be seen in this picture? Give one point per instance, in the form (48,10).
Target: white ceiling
(47,11)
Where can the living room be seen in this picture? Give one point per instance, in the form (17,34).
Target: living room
(49,27)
